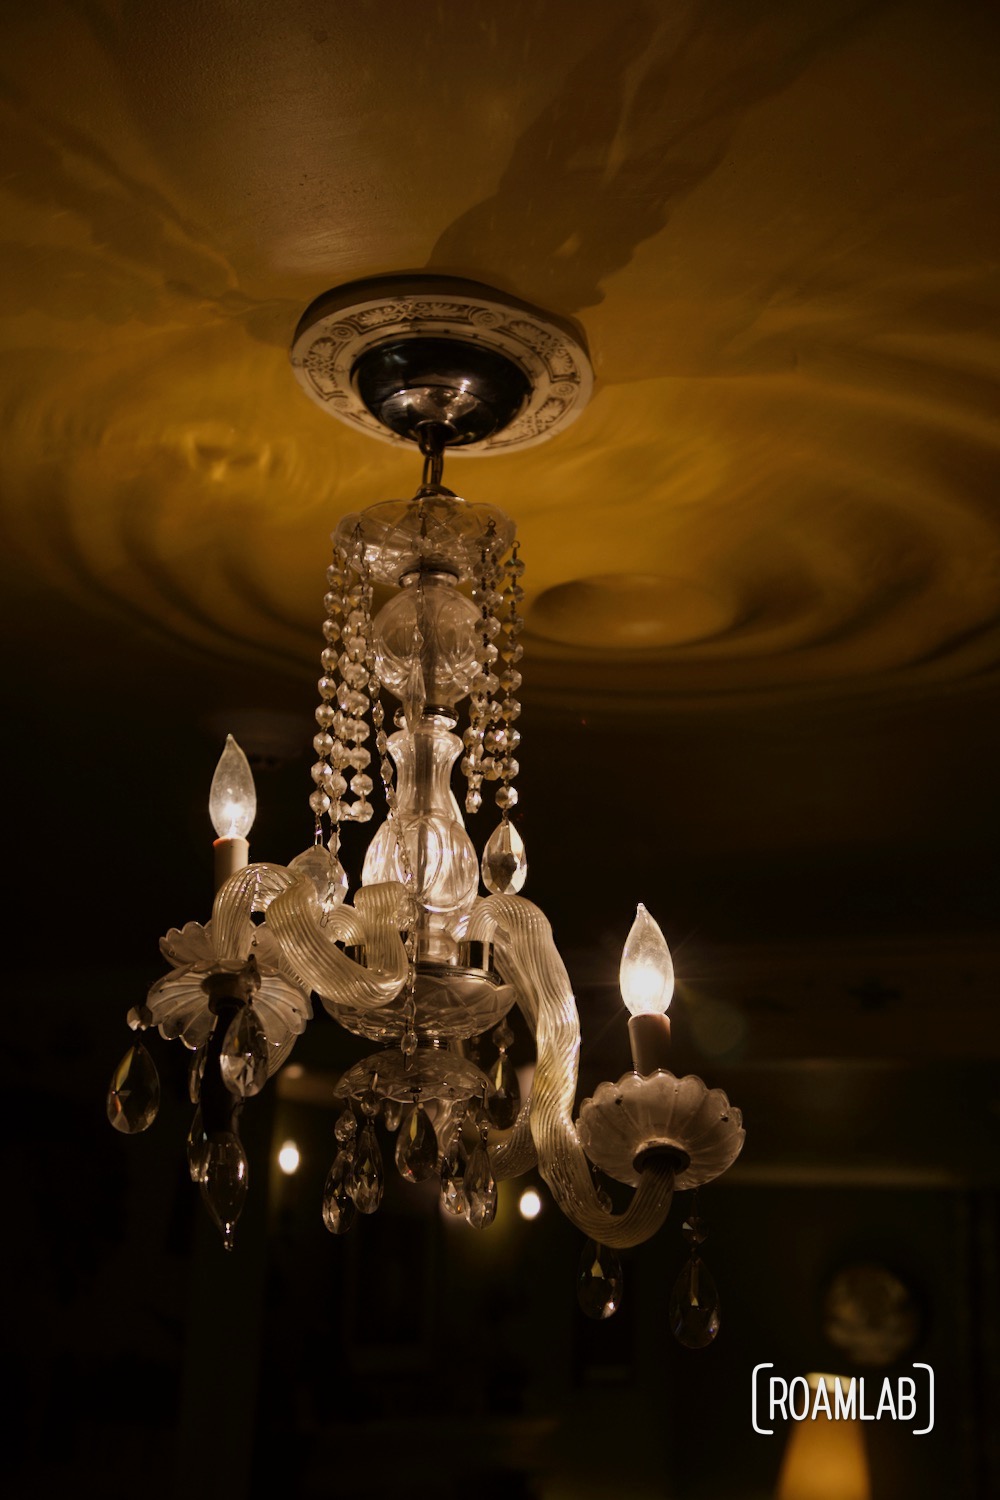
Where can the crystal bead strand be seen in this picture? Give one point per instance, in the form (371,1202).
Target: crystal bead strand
(504,865)
(491,683)
(329,784)
(473,736)
(382,743)
(356,663)
(503,739)
(408,1042)
(475,764)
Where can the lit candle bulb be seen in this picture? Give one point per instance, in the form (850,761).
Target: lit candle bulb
(646,977)
(232,803)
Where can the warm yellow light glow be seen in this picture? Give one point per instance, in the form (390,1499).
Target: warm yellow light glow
(646,975)
(529,1204)
(232,801)
(289,1158)
(825,1458)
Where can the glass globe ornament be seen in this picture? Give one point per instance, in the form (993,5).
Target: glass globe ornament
(429,624)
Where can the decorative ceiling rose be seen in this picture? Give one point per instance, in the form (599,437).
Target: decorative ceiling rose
(346,335)
(417,961)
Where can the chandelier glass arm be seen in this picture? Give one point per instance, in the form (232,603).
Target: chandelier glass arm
(512,1151)
(309,938)
(249,890)
(527,957)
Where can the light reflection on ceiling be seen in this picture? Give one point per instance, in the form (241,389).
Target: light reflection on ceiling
(776,225)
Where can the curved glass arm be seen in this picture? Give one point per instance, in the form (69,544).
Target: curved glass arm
(513,1151)
(309,941)
(527,957)
(386,909)
(251,889)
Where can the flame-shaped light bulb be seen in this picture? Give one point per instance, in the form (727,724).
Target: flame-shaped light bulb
(646,977)
(232,801)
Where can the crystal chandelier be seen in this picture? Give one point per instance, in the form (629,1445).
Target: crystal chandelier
(418,962)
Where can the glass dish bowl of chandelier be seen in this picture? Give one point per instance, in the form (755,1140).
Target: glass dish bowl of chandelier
(434,531)
(437,1074)
(452,1002)
(644,1115)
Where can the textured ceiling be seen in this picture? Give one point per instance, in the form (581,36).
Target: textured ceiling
(778,227)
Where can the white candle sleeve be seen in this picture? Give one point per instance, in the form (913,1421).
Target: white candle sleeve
(230,855)
(649,1036)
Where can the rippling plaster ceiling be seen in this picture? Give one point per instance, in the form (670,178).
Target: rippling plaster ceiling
(776,224)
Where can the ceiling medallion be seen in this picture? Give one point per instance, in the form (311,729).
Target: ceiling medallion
(416,959)
(514,376)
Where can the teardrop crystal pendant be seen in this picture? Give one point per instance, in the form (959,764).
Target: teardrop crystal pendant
(134,1092)
(694,1306)
(504,1099)
(338,1205)
(367,1179)
(326,873)
(505,866)
(480,1188)
(416,1146)
(392,1113)
(244,1057)
(453,1182)
(197,1147)
(224,1181)
(346,1128)
(599,1281)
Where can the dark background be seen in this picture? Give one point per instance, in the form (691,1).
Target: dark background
(416,1351)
